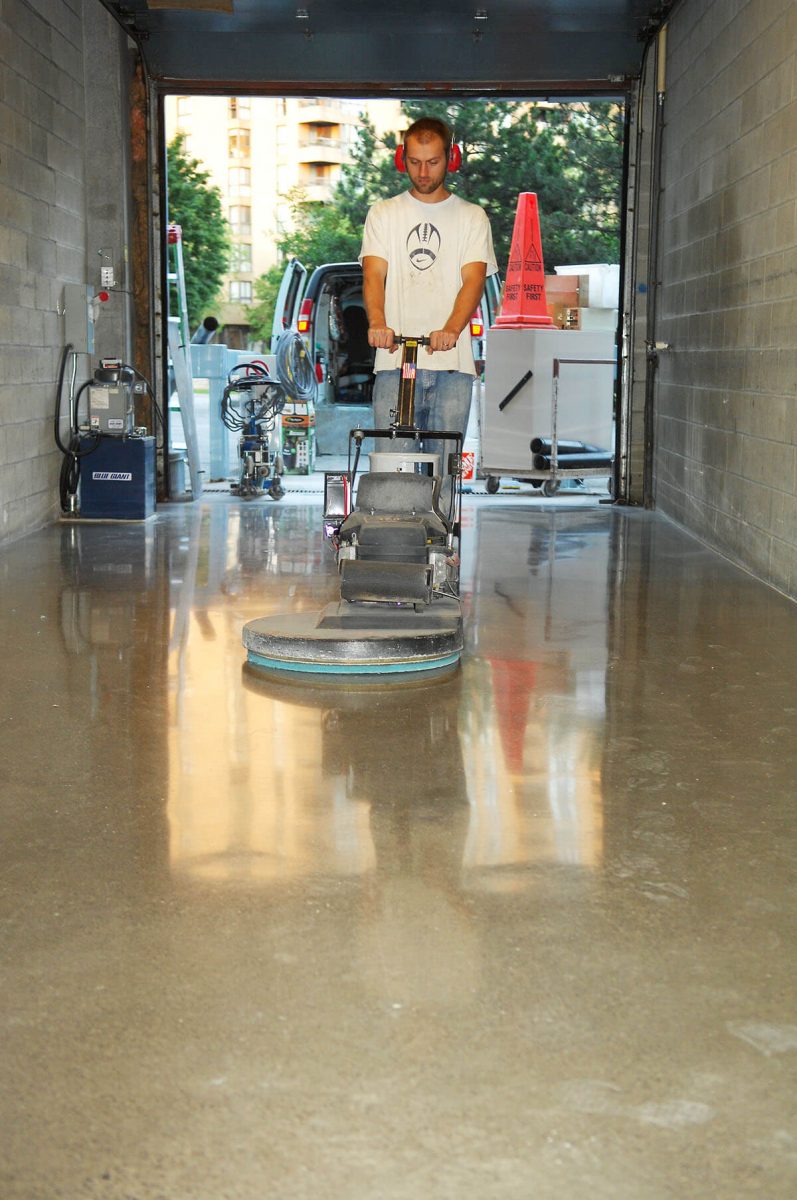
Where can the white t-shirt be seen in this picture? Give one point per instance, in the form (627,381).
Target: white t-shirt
(426,246)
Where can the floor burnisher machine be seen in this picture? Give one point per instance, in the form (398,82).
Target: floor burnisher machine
(397,552)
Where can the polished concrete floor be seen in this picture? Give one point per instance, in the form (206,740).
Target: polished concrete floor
(528,933)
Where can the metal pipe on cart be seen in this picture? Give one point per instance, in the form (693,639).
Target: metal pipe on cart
(591,459)
(554,418)
(541,445)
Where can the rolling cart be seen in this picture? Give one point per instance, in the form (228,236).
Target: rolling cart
(547,409)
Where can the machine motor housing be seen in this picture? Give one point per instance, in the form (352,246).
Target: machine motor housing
(112,400)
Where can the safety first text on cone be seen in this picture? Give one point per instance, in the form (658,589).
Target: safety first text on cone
(525,305)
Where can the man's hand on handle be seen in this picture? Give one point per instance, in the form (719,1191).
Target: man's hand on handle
(382,337)
(441,339)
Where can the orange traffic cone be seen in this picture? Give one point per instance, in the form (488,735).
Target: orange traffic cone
(524,305)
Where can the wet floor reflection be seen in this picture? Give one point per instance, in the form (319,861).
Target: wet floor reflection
(245,775)
(550,900)
(470,780)
(538,639)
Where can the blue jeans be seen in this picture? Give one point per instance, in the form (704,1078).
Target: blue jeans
(442,401)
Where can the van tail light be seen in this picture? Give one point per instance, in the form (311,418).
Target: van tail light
(305,315)
(477,324)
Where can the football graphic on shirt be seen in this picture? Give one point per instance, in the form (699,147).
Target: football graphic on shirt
(423,245)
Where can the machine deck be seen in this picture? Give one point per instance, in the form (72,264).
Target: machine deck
(357,640)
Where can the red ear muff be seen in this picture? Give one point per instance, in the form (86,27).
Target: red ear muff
(454,158)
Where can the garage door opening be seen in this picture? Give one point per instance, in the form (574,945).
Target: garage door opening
(292,178)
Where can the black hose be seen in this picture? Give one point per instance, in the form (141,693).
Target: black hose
(156,407)
(69,477)
(76,430)
(67,350)
(264,410)
(68,480)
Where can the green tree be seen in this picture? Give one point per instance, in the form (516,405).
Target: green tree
(370,176)
(569,155)
(321,233)
(195,205)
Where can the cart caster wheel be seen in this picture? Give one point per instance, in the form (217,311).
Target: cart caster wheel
(493,484)
(276,491)
(550,487)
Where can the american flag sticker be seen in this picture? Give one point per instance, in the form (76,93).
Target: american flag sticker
(408,371)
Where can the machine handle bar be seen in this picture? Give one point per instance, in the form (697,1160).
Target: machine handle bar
(407,431)
(401,339)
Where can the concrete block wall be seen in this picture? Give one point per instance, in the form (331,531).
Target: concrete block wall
(52,103)
(726,400)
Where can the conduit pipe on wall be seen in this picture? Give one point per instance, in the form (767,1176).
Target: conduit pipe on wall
(620,467)
(653,266)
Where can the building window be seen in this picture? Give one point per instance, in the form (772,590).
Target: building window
(184,106)
(240,216)
(240,291)
(240,181)
(240,108)
(322,135)
(316,173)
(241,257)
(238,143)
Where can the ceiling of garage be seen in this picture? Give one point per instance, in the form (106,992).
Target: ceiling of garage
(393,46)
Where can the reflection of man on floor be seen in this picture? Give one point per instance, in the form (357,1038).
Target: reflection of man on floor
(417,929)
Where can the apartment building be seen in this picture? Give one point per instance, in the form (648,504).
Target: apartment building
(256,150)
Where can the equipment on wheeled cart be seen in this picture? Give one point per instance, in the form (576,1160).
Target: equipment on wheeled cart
(250,405)
(547,412)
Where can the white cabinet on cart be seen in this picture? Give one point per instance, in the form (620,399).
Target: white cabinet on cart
(522,401)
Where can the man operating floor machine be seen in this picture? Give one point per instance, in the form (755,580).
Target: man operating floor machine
(397,554)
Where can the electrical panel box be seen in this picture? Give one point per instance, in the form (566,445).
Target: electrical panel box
(111,408)
(78,317)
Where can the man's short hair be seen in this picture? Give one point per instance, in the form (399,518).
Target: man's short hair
(426,127)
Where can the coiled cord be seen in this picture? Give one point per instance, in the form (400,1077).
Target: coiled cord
(70,467)
(295,369)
